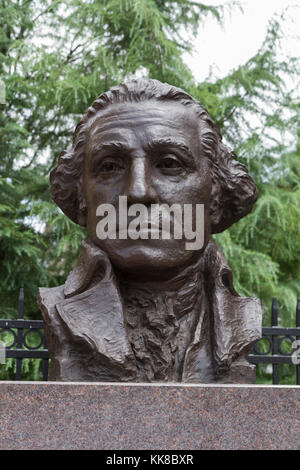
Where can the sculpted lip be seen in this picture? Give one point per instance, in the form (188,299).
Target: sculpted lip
(163,222)
(152,229)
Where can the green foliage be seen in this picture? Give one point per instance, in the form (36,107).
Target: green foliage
(57,57)
(258,114)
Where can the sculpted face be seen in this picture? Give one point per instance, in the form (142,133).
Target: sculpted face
(151,153)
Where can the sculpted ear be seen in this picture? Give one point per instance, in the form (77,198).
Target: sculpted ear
(67,188)
(233,190)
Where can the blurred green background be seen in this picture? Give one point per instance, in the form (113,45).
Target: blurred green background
(57,57)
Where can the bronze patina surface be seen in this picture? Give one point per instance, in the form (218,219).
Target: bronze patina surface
(149,310)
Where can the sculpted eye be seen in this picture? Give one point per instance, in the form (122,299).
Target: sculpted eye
(170,164)
(111,166)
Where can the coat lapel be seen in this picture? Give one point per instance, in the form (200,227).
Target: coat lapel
(94,315)
(235,321)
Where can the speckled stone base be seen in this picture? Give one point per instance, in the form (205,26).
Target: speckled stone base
(49,415)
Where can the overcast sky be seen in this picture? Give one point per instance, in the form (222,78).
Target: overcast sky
(228,46)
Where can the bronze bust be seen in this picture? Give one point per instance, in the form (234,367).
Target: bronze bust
(149,310)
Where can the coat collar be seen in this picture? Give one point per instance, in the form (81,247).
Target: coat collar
(236,320)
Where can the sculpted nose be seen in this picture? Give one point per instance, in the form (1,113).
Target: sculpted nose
(139,188)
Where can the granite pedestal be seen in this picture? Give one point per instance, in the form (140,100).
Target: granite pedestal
(117,416)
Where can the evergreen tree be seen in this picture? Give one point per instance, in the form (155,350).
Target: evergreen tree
(57,57)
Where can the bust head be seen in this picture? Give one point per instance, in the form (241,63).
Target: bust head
(153,143)
(149,309)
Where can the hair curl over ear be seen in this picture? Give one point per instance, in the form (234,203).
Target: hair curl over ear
(233,190)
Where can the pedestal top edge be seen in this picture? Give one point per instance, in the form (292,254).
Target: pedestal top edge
(146,384)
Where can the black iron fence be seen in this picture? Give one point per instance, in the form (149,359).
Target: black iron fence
(274,338)
(269,350)
(20,346)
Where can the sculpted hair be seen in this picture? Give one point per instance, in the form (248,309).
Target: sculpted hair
(233,190)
